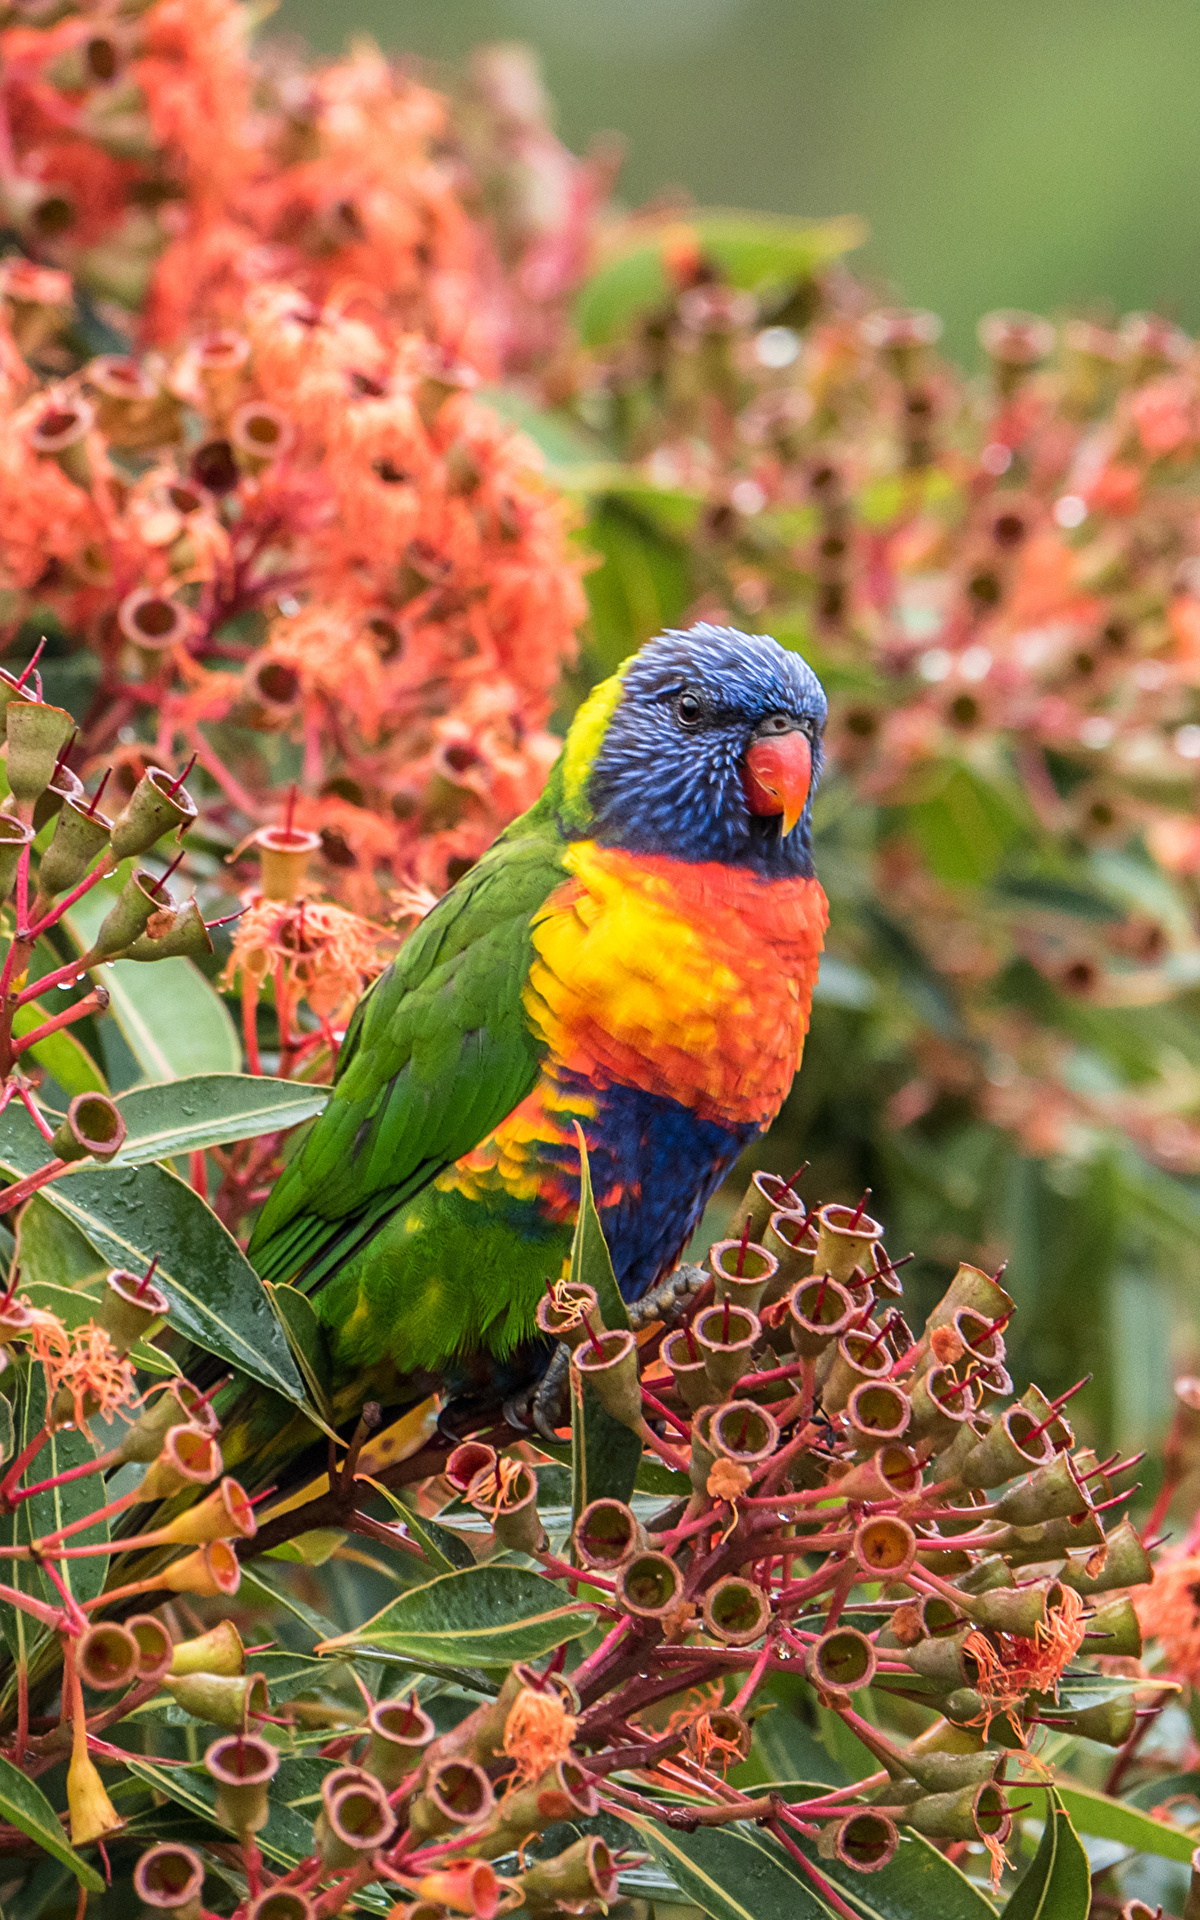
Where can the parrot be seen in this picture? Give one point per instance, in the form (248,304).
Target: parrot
(635,955)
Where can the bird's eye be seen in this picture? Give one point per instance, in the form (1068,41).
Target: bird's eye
(689,710)
(776,723)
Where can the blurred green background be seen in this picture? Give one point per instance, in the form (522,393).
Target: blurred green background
(1033,153)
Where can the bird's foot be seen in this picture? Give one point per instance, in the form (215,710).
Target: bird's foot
(670,1301)
(546,1405)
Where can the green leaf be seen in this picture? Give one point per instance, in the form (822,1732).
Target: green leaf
(26,1807)
(174,1021)
(1108,1819)
(130,1214)
(448,1552)
(604,1453)
(258,1575)
(306,1338)
(210,1110)
(1057,1885)
(486,1616)
(51,1249)
(741,1873)
(754,251)
(60,1054)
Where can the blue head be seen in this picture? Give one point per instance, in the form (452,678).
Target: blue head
(705,745)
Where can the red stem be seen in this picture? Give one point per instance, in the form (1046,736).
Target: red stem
(80,1011)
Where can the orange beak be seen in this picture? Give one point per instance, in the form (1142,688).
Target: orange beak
(776,776)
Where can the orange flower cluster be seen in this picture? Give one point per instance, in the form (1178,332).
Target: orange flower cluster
(84,1366)
(300,546)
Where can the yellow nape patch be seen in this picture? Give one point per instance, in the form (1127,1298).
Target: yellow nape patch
(584,741)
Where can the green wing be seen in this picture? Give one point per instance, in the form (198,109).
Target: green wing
(437,1054)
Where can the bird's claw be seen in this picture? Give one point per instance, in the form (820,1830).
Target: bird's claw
(546,1406)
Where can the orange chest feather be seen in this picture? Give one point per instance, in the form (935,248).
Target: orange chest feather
(690,980)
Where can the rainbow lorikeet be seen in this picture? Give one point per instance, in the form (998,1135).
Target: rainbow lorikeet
(636,953)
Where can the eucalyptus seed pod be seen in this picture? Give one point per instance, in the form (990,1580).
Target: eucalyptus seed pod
(563,1792)
(220,1650)
(107,1656)
(845,1238)
(170,1879)
(743,1432)
(585,1874)
(174,931)
(457,1794)
(820,1310)
(93,1125)
(737,1612)
(63,787)
(1050,1493)
(1011,1445)
(607,1534)
(950,1772)
(399,1735)
(766,1194)
(243,1769)
(12,688)
(841,1661)
(1123,1563)
(972,1288)
(569,1313)
(892,1469)
(741,1272)
(129,1305)
(727,1337)
(608,1364)
(857,1357)
(61,433)
(79,838)
(944,1660)
(468,1462)
(941,1407)
(355,1818)
(209,1572)
(127,917)
(864,1840)
(977,1813)
(284,1903)
(515,1520)
(877,1411)
(884,1547)
(284,854)
(649,1587)
(36,736)
(157,805)
(223,1699)
(688,1370)
(187,1457)
(153,1643)
(788,1236)
(224,1514)
(1114,1628)
(1110,1723)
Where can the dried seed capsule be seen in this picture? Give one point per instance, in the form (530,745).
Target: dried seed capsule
(243,1769)
(736,1611)
(210,1571)
(971,1814)
(1123,1563)
(568,1312)
(129,1305)
(224,1699)
(284,854)
(884,1547)
(225,1514)
(79,838)
(877,1410)
(155,1651)
(688,1370)
(127,917)
(157,804)
(93,1125)
(1011,1445)
(457,1793)
(585,1873)
(1114,1628)
(727,1337)
(515,1520)
(607,1534)
(865,1841)
(188,1457)
(820,1310)
(399,1736)
(170,1879)
(107,1656)
(845,1237)
(841,1661)
(36,736)
(609,1366)
(741,1272)
(649,1586)
(176,930)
